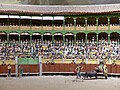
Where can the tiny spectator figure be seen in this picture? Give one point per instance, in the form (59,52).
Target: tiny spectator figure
(73,62)
(20,71)
(52,62)
(3,63)
(9,71)
(114,63)
(82,62)
(47,62)
(78,71)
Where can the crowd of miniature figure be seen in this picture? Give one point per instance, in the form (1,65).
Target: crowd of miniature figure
(60,50)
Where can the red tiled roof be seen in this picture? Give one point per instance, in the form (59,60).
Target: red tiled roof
(59,9)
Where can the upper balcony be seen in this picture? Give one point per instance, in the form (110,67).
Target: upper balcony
(14,22)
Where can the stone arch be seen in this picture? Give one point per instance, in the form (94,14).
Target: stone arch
(92,37)
(91,21)
(114,20)
(14,36)
(69,37)
(80,21)
(103,36)
(47,36)
(103,21)
(114,36)
(69,21)
(58,36)
(80,36)
(36,36)
(3,36)
(25,36)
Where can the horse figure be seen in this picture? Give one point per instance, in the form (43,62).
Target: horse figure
(102,68)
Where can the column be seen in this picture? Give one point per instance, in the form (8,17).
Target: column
(86,56)
(8,23)
(19,22)
(53,39)
(119,23)
(97,38)
(42,22)
(109,38)
(74,23)
(42,39)
(40,65)
(86,38)
(31,23)
(19,38)
(53,23)
(30,38)
(86,23)
(108,24)
(7,37)
(64,38)
(75,38)
(97,29)
(64,24)
(97,24)
(16,65)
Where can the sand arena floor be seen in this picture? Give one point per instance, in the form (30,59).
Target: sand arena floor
(58,83)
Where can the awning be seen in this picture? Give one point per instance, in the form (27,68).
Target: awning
(36,18)
(3,16)
(26,17)
(14,16)
(59,18)
(47,18)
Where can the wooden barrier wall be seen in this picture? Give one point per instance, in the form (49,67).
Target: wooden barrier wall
(3,69)
(58,68)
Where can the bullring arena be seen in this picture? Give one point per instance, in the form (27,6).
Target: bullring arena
(58,83)
(52,40)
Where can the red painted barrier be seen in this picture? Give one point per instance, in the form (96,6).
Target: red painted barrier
(3,69)
(58,68)
(30,68)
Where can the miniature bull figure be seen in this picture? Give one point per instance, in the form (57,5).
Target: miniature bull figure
(91,74)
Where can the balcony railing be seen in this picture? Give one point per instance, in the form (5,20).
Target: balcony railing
(102,27)
(80,28)
(114,27)
(58,27)
(91,28)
